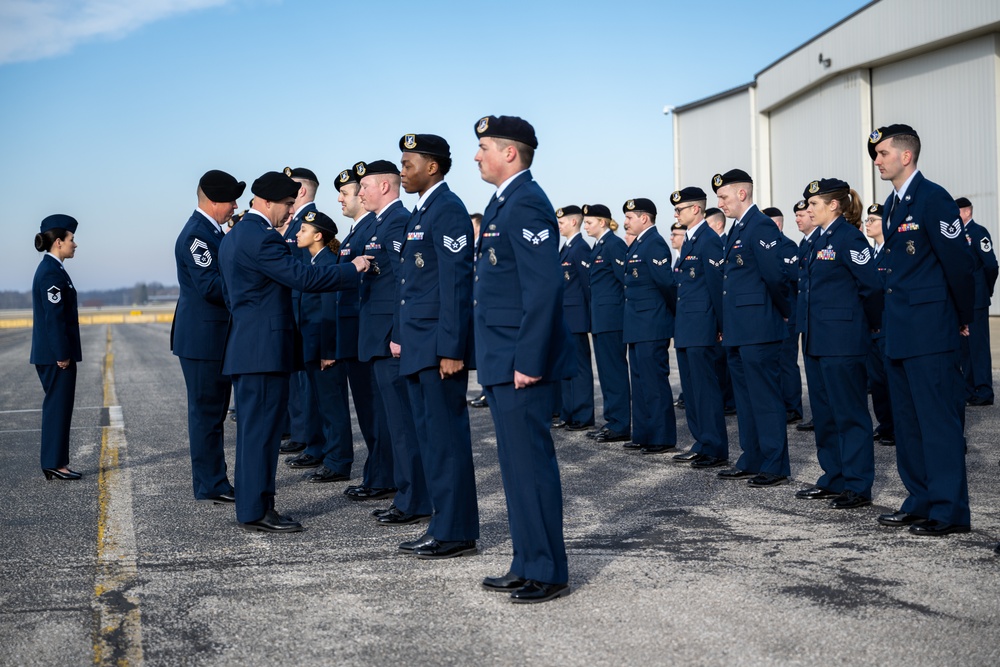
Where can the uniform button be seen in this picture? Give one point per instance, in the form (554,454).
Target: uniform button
(889,291)
(888,271)
(723,292)
(477,279)
(888,250)
(403,302)
(475,302)
(402,281)
(725,277)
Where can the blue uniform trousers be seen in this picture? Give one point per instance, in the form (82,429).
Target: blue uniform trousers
(407,469)
(703,405)
(612,372)
(684,371)
(928,409)
(843,427)
(791,376)
(760,408)
(330,395)
(653,420)
(441,417)
(208,393)
(304,421)
(879,384)
(366,402)
(577,393)
(531,484)
(59,385)
(977,364)
(725,381)
(263,401)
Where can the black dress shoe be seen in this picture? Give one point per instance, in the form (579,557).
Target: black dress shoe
(706,461)
(729,412)
(815,493)
(369,493)
(686,457)
(383,510)
(996,549)
(934,528)
(325,475)
(579,426)
(479,402)
(791,417)
(848,500)
(53,473)
(898,519)
(232,415)
(272,522)
(303,461)
(222,499)
(508,582)
(607,435)
(596,432)
(767,479)
(291,447)
(679,403)
(887,441)
(805,426)
(396,518)
(558,423)
(437,550)
(536,591)
(979,402)
(631,446)
(735,473)
(422,541)
(656,449)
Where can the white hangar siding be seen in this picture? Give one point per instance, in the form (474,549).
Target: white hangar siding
(933,64)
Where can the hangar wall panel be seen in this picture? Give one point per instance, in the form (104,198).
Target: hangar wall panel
(713,138)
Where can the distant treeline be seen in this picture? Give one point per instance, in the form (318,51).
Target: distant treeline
(138,295)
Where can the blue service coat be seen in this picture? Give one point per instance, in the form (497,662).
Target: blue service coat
(984,262)
(929,284)
(523,328)
(259,273)
(55,332)
(844,296)
(349,300)
(201,317)
(699,289)
(650,291)
(802,281)
(435,283)
(317,316)
(755,300)
(607,283)
(575,260)
(378,316)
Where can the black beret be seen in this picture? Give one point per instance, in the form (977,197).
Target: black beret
(219,186)
(274,186)
(773,212)
(876,209)
(800,205)
(597,211)
(963,202)
(883,133)
(507,127)
(824,186)
(301,172)
(731,176)
(345,177)
(59,221)
(363,169)
(639,205)
(677,226)
(569,210)
(320,221)
(427,144)
(688,194)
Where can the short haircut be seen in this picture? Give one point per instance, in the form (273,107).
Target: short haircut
(524,151)
(907,142)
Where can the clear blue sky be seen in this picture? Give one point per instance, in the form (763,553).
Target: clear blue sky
(110,110)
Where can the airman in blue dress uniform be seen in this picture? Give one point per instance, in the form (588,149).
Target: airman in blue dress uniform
(929,303)
(650,302)
(576,393)
(696,330)
(977,366)
(378,341)
(522,352)
(716,219)
(259,273)
(791,376)
(607,320)
(55,341)
(755,310)
(843,305)
(198,333)
(434,278)
(809,231)
(878,384)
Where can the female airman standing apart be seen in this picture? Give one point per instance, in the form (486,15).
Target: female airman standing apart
(843,308)
(55,341)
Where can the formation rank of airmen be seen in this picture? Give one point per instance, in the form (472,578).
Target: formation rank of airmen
(409,301)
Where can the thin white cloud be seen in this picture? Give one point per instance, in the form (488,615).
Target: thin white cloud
(35,29)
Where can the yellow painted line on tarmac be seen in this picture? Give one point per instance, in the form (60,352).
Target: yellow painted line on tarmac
(118,637)
(97,318)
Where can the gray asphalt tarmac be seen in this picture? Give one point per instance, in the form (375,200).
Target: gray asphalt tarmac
(668,565)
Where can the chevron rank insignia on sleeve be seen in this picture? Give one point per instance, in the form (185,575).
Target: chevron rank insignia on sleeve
(860,257)
(985,244)
(951,230)
(767,246)
(535,239)
(201,254)
(55,294)
(455,245)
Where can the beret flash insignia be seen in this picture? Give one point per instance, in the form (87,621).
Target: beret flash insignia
(676,197)
(586,209)
(310,216)
(875,137)
(410,140)
(360,168)
(344,176)
(288,171)
(717,180)
(814,187)
(873,208)
(630,204)
(559,213)
(484,124)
